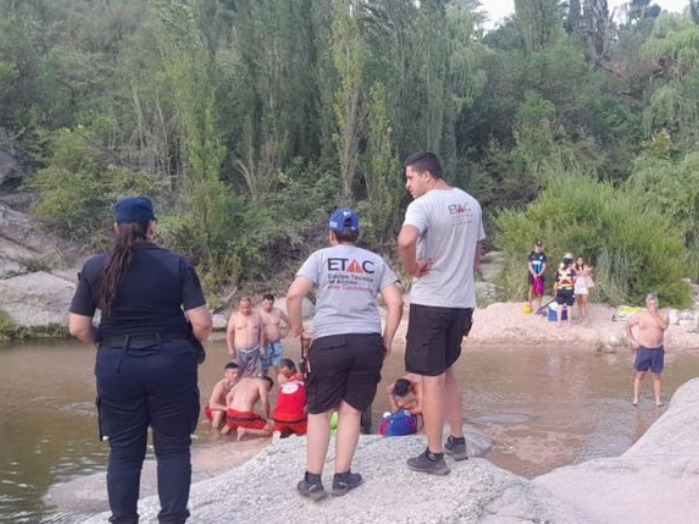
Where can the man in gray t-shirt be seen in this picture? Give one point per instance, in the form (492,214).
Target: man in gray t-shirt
(348,349)
(438,246)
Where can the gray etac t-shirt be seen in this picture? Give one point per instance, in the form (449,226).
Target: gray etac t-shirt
(347,280)
(450,223)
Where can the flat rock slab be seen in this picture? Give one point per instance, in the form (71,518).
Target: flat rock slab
(656,480)
(264,490)
(87,495)
(36,299)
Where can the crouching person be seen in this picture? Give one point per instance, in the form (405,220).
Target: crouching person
(241,415)
(290,414)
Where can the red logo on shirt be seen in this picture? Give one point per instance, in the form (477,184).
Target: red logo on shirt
(354,267)
(457,209)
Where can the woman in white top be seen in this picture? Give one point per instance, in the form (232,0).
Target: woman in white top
(583,283)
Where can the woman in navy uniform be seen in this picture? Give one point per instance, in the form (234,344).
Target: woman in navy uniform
(146,360)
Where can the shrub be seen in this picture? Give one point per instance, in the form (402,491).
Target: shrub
(78,188)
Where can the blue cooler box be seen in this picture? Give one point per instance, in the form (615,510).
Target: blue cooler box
(553,313)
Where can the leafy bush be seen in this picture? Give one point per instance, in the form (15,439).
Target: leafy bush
(79,187)
(669,183)
(636,248)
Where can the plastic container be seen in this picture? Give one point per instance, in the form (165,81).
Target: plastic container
(553,312)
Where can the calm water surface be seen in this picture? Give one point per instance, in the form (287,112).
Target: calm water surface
(544,407)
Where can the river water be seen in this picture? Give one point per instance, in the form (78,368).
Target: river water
(544,407)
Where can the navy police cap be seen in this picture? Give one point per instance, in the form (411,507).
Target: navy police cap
(134,209)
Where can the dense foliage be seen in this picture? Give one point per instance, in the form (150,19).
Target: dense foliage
(249,120)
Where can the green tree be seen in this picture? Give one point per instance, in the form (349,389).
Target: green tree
(539,22)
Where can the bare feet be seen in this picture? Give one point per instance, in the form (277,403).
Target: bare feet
(635,403)
(241,433)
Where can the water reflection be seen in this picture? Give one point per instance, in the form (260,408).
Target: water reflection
(543,407)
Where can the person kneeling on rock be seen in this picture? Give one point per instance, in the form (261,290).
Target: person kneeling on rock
(241,404)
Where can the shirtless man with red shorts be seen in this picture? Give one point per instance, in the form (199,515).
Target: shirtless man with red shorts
(215,410)
(241,402)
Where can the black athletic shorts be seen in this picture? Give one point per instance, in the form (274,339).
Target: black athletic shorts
(434,338)
(344,367)
(565,297)
(530,279)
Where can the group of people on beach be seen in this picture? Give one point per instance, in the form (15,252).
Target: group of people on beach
(154,320)
(572,283)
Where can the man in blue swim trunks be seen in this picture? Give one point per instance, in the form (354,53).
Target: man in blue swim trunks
(650,354)
(275,331)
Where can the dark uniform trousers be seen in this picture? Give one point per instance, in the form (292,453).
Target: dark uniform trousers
(152,384)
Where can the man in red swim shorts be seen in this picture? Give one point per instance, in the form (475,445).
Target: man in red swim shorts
(241,402)
(215,410)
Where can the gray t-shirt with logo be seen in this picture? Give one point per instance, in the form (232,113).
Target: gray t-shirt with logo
(347,280)
(450,223)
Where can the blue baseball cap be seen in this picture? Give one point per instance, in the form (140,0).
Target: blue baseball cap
(131,210)
(344,220)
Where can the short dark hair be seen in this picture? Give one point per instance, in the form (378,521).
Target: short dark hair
(288,363)
(539,243)
(231,365)
(425,161)
(346,236)
(401,387)
(268,296)
(265,377)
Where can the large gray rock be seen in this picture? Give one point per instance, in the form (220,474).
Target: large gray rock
(20,243)
(656,480)
(36,299)
(264,490)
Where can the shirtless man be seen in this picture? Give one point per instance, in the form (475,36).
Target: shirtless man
(650,353)
(241,402)
(245,339)
(272,318)
(215,410)
(406,393)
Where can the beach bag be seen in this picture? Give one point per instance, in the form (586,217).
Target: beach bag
(399,424)
(539,287)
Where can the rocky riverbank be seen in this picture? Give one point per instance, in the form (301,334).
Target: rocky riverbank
(656,480)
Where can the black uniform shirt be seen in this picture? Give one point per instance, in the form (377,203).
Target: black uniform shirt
(151,295)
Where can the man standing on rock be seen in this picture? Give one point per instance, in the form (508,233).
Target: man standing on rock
(245,338)
(650,353)
(439,246)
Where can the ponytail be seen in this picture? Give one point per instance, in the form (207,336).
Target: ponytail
(118,261)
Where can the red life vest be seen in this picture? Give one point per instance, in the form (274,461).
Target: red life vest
(292,399)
